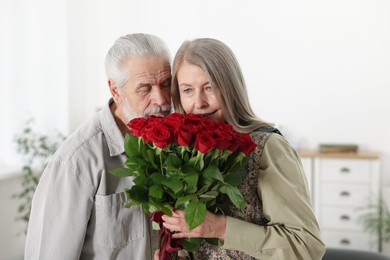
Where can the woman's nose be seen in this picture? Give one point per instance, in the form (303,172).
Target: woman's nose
(201,101)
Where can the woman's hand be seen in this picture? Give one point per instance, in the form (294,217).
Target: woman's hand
(213,226)
(156,254)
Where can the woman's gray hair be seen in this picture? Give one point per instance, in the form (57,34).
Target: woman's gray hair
(137,44)
(218,61)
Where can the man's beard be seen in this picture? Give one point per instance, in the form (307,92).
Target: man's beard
(129,112)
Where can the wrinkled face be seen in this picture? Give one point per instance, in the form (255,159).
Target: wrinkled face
(197,96)
(148,89)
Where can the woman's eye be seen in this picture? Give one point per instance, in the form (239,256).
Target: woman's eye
(187,90)
(209,88)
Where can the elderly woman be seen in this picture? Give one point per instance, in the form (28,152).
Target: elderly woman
(277,221)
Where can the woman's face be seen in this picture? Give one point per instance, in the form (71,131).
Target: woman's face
(197,96)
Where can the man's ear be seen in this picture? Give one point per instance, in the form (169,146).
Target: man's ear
(114,91)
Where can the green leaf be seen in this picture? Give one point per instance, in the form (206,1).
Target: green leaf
(212,241)
(175,185)
(213,172)
(210,203)
(140,179)
(225,154)
(155,226)
(122,172)
(235,162)
(157,177)
(196,161)
(138,194)
(129,204)
(186,157)
(191,244)
(170,172)
(173,161)
(156,191)
(210,194)
(131,145)
(145,208)
(188,169)
(221,188)
(204,189)
(192,162)
(194,214)
(167,211)
(154,205)
(200,164)
(136,163)
(235,196)
(209,198)
(182,202)
(192,180)
(127,192)
(151,159)
(233,178)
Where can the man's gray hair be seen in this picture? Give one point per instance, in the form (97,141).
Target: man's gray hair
(137,44)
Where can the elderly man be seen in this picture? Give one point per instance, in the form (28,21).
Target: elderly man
(78,208)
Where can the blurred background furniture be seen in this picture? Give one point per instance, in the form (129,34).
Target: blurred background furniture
(341,185)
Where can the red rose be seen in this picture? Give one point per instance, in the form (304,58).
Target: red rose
(136,125)
(185,134)
(233,147)
(176,116)
(247,145)
(227,127)
(205,142)
(207,124)
(158,134)
(191,119)
(224,139)
(153,118)
(171,124)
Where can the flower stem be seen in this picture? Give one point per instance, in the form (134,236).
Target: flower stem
(161,165)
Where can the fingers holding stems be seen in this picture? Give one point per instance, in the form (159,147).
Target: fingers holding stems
(213,226)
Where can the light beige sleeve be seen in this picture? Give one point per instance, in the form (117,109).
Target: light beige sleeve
(292,231)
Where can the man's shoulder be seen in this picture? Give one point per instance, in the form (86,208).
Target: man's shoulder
(84,139)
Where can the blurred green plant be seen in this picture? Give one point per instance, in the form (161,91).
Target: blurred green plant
(376,219)
(35,149)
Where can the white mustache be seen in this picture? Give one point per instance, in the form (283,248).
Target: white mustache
(157,110)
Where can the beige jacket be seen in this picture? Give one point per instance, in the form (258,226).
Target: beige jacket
(292,231)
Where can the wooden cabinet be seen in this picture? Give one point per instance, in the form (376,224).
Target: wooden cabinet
(307,166)
(342,185)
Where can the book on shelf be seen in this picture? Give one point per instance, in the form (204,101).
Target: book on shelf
(338,148)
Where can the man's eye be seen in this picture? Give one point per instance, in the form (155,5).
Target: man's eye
(166,84)
(144,89)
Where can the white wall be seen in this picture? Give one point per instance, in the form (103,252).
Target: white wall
(33,68)
(319,69)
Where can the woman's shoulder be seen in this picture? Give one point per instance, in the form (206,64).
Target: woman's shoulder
(271,139)
(262,134)
(268,129)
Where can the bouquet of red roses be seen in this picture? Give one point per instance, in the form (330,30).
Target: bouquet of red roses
(186,162)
